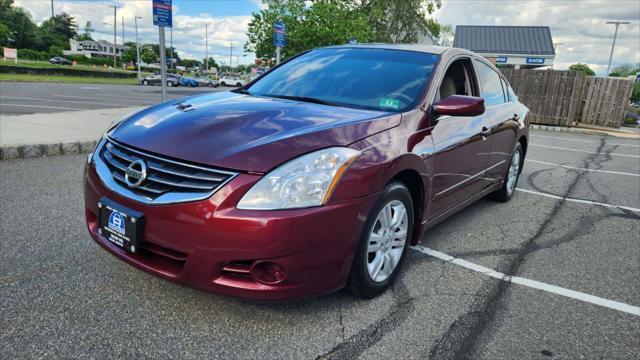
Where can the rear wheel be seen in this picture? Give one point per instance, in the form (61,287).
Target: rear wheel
(505,193)
(210,85)
(145,82)
(383,242)
(238,84)
(169,83)
(223,83)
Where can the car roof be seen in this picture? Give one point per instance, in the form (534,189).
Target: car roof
(432,49)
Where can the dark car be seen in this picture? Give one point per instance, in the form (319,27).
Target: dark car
(315,177)
(58,60)
(156,79)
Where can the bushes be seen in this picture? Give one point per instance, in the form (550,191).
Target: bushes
(635,93)
(64,71)
(32,54)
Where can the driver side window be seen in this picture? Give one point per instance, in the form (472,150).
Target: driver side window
(457,81)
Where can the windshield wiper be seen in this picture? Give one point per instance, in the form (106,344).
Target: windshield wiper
(241,91)
(302,98)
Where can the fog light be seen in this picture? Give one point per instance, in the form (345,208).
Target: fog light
(268,273)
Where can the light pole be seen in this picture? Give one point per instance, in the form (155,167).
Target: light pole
(613,45)
(115,9)
(206,47)
(171,46)
(135,20)
(230,55)
(123,30)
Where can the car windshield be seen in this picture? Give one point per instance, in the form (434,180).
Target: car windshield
(379,79)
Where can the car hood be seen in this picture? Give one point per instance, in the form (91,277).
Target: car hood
(246,133)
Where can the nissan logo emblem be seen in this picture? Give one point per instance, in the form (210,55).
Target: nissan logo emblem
(135,173)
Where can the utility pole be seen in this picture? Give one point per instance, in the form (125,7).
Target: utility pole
(135,20)
(230,55)
(206,47)
(123,30)
(555,45)
(613,45)
(52,14)
(115,41)
(171,46)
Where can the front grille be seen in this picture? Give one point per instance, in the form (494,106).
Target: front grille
(164,176)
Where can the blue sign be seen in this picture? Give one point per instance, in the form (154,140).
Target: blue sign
(535,60)
(501,60)
(279,34)
(116,222)
(162,13)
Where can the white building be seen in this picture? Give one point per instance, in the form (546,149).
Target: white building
(91,48)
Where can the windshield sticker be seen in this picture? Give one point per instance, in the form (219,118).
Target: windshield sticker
(389,103)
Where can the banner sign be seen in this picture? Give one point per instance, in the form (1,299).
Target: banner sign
(162,13)
(279,34)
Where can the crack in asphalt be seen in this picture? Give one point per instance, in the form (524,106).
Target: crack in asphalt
(355,345)
(461,340)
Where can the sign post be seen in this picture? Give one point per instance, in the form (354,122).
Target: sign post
(10,53)
(162,18)
(279,38)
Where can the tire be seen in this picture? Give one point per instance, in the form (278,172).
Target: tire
(210,85)
(223,83)
(508,187)
(238,84)
(145,82)
(169,84)
(361,282)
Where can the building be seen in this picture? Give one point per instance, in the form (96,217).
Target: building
(520,47)
(90,48)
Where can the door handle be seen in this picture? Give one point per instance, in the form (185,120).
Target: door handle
(516,117)
(485,132)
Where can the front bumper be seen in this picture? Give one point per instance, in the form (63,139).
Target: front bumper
(210,245)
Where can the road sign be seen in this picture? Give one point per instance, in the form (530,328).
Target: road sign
(279,34)
(162,13)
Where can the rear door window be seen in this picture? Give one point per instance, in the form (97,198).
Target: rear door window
(490,83)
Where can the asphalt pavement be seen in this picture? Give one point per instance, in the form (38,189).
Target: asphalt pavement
(30,98)
(568,243)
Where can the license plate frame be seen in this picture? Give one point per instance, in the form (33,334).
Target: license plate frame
(120,225)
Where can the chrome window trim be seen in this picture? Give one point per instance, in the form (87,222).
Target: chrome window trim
(110,183)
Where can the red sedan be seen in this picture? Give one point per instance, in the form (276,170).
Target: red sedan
(314,177)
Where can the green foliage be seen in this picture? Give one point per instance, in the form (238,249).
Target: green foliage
(32,54)
(582,69)
(4,34)
(148,55)
(212,63)
(55,51)
(86,35)
(635,94)
(62,25)
(21,29)
(624,70)
(332,22)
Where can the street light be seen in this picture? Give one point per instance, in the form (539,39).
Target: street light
(135,20)
(615,34)
(115,25)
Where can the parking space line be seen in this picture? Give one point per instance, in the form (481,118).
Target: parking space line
(581,201)
(582,141)
(56,100)
(93,98)
(42,106)
(611,304)
(583,151)
(582,169)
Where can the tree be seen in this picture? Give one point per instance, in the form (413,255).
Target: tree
(582,69)
(401,21)
(129,55)
(148,54)
(63,25)
(447,34)
(212,63)
(624,70)
(86,35)
(21,29)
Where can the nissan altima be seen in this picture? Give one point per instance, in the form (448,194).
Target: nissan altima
(315,177)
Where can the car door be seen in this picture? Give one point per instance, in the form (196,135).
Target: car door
(460,156)
(500,120)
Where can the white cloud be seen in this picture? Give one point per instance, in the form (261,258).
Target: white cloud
(188,31)
(579,25)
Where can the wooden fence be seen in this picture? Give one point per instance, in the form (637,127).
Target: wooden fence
(566,98)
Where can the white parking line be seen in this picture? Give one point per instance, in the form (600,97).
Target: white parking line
(581,201)
(42,107)
(582,169)
(583,151)
(582,141)
(611,304)
(55,100)
(93,98)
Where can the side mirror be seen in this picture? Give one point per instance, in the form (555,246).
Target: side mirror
(458,105)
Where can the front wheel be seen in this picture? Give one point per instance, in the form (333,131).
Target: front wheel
(145,82)
(169,84)
(505,193)
(383,242)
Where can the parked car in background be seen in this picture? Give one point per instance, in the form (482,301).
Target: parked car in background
(208,82)
(296,186)
(156,79)
(232,81)
(187,81)
(59,60)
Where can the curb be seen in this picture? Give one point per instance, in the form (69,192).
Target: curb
(569,130)
(44,150)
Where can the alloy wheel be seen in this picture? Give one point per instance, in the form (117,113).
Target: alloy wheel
(387,240)
(514,168)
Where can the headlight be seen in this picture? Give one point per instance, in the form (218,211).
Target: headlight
(302,182)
